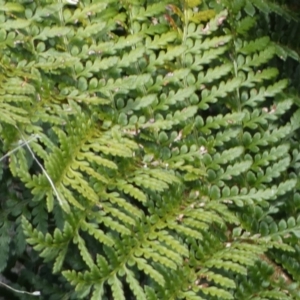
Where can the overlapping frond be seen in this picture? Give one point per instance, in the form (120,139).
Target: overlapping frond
(155,144)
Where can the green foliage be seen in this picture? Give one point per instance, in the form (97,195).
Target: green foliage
(149,150)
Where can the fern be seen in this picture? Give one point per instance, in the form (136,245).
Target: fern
(154,147)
